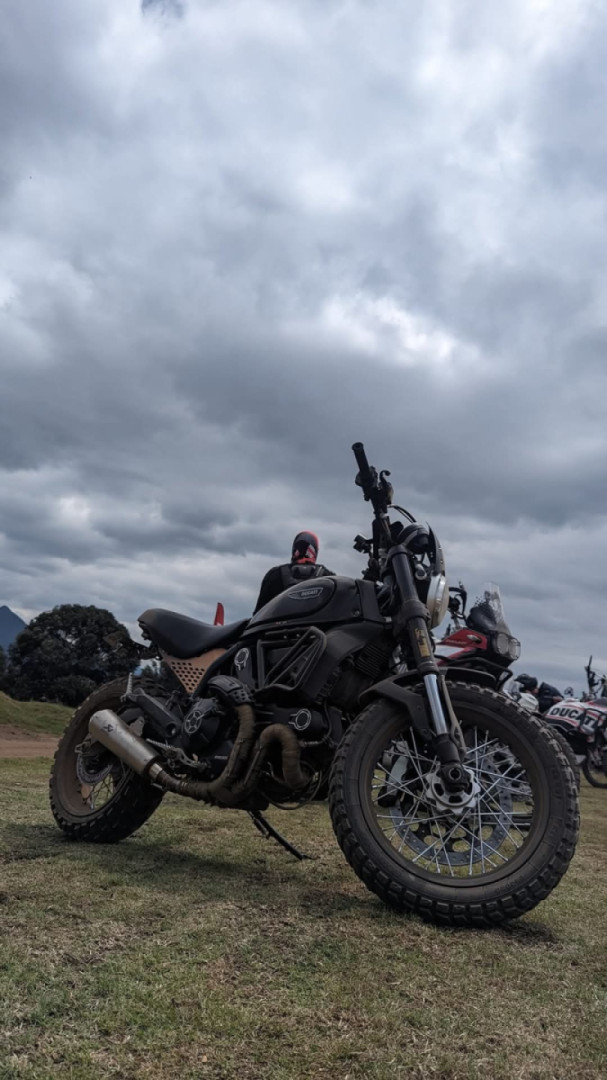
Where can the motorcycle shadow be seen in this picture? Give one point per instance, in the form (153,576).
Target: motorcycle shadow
(198,877)
(529,933)
(260,877)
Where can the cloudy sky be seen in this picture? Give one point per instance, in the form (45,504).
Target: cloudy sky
(237,236)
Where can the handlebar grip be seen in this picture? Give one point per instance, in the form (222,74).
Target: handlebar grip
(361,460)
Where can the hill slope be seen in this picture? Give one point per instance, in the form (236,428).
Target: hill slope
(33,717)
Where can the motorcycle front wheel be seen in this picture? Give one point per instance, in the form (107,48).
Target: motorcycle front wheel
(477,858)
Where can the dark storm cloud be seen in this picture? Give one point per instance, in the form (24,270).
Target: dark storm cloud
(237,241)
(47,83)
(571,146)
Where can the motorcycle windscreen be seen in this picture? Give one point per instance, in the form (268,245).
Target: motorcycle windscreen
(487,613)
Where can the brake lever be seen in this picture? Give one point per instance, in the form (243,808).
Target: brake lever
(386,487)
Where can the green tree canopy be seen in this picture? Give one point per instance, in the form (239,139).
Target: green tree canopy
(64,654)
(2,665)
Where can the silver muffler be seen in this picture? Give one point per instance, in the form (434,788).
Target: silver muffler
(107,728)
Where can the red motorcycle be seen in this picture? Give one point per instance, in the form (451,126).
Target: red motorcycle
(481,641)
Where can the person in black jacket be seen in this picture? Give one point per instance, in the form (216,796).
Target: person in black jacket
(546,695)
(303,567)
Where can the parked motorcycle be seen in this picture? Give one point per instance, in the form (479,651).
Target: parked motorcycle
(583,723)
(481,641)
(445,798)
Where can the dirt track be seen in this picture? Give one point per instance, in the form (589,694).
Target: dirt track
(14,744)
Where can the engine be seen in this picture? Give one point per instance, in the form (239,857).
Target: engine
(208,726)
(360,672)
(209,729)
(310,725)
(208,733)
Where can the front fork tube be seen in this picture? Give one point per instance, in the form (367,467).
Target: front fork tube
(447,741)
(436,705)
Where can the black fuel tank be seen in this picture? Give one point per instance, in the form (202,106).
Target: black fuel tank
(319,601)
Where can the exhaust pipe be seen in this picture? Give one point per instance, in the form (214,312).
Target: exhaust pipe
(107,728)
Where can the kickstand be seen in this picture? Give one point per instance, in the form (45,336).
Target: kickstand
(267,830)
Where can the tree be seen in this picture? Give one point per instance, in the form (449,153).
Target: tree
(2,665)
(65,653)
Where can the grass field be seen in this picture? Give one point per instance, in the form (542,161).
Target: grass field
(197,949)
(33,717)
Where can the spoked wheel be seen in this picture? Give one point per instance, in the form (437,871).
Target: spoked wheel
(477,857)
(595,766)
(458,835)
(95,796)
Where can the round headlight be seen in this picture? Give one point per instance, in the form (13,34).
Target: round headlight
(501,644)
(506,646)
(515,649)
(437,600)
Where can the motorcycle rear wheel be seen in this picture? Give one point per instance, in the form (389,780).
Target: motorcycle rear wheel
(479,865)
(94,796)
(595,773)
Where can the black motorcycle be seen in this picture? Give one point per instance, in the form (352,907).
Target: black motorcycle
(445,799)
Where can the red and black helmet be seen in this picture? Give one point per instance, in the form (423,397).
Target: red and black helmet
(305,548)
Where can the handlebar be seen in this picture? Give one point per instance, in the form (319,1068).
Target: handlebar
(376,490)
(366,476)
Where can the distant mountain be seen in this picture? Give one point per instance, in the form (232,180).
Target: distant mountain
(10,626)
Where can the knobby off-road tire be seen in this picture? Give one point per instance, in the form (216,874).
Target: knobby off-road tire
(131,800)
(568,752)
(592,775)
(543,791)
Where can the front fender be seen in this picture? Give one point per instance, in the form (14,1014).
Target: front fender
(396,689)
(413,704)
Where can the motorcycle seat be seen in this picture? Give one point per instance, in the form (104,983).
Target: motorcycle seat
(180,636)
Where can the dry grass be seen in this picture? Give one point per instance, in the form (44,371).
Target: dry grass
(197,949)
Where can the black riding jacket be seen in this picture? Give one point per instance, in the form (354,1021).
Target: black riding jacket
(546,696)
